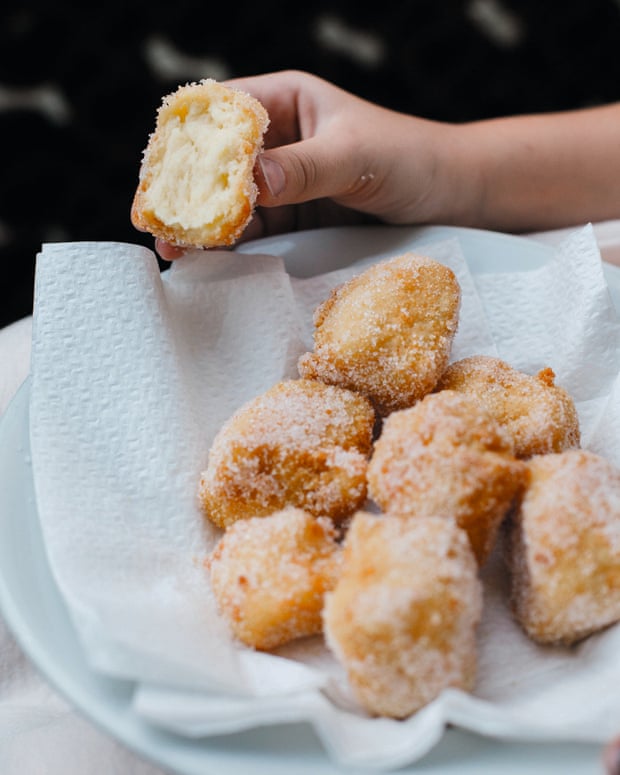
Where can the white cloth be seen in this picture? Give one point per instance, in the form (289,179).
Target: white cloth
(39,731)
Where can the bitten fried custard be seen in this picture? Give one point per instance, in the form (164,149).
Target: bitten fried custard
(563,547)
(302,443)
(388,332)
(446,456)
(539,415)
(197,183)
(402,618)
(270,574)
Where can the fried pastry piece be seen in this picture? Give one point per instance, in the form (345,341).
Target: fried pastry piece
(388,332)
(402,618)
(302,443)
(539,415)
(270,574)
(446,456)
(196,183)
(563,547)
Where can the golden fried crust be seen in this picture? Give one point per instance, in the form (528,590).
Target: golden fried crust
(388,332)
(447,457)
(196,183)
(269,576)
(302,443)
(539,415)
(403,615)
(564,547)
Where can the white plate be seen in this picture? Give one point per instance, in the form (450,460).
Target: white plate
(35,612)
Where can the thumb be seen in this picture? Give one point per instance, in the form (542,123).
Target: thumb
(308,169)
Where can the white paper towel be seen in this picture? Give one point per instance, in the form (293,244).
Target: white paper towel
(133,374)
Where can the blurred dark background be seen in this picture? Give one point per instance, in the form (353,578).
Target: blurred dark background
(80,84)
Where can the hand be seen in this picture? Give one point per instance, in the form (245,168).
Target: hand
(332,158)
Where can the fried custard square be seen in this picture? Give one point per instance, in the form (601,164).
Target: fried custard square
(301,443)
(539,415)
(387,333)
(270,574)
(563,547)
(196,186)
(402,618)
(446,456)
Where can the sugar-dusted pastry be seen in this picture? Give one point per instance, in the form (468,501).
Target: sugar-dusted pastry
(402,618)
(446,456)
(196,183)
(270,574)
(387,333)
(539,415)
(302,443)
(564,547)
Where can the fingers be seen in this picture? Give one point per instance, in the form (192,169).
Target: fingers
(168,252)
(309,169)
(313,150)
(291,99)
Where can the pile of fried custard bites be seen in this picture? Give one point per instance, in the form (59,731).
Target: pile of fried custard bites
(448,454)
(380,422)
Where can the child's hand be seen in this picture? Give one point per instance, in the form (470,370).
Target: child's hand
(332,158)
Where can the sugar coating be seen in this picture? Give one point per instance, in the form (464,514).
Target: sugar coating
(539,415)
(302,443)
(270,574)
(196,183)
(388,332)
(446,456)
(402,618)
(564,547)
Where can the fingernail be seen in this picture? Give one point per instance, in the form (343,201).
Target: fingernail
(274,175)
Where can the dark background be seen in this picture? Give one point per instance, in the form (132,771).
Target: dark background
(79,86)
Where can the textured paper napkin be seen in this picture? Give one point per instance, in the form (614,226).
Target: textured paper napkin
(133,374)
